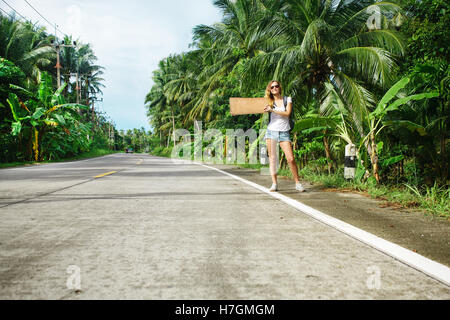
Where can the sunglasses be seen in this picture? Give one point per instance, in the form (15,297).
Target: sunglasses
(275,86)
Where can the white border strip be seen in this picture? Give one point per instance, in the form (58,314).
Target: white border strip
(432,268)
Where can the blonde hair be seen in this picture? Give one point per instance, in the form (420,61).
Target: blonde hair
(268,95)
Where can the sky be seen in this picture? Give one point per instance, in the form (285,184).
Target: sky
(129,38)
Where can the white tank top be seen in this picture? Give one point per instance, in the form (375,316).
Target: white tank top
(279,122)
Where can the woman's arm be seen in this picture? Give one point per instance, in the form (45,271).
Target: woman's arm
(286,113)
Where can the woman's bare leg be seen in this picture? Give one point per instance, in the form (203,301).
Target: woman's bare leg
(271,149)
(286,146)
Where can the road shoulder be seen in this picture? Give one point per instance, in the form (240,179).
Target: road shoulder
(425,235)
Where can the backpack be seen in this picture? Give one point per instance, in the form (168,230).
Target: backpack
(291,120)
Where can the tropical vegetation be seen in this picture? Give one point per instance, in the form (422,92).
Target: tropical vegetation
(370,73)
(40,121)
(374,74)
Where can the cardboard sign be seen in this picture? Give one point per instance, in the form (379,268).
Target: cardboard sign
(247,105)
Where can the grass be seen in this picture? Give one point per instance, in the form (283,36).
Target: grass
(252,166)
(434,201)
(98,152)
(162,152)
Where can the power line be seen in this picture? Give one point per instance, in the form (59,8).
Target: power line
(12,17)
(51,24)
(14,10)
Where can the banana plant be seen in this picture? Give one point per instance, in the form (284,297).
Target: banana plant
(327,125)
(41,112)
(385,105)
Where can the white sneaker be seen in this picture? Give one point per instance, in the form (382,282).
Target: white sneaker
(273,188)
(299,187)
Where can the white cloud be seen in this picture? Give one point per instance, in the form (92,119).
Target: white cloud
(74,19)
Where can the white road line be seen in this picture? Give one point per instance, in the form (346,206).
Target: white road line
(432,268)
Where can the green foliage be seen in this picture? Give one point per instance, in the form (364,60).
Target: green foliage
(9,74)
(35,120)
(383,90)
(162,151)
(427,28)
(50,121)
(27,45)
(435,199)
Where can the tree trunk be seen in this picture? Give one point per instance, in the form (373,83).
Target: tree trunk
(168,140)
(93,111)
(444,165)
(328,153)
(374,158)
(294,142)
(30,146)
(35,144)
(173,127)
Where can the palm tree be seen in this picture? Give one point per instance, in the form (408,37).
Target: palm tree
(328,42)
(181,85)
(225,46)
(85,65)
(156,102)
(27,46)
(68,61)
(80,60)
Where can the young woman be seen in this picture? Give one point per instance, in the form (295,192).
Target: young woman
(278,131)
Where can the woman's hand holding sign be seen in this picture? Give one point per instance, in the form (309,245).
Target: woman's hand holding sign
(268,108)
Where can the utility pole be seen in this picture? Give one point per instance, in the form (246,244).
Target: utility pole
(77,87)
(58,67)
(110,123)
(94,99)
(85,75)
(113,140)
(58,46)
(109,127)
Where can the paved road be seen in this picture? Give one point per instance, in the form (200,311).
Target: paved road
(160,230)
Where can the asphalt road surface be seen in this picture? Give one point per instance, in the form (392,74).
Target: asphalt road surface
(130,226)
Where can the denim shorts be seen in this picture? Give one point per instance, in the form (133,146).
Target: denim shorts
(277,135)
